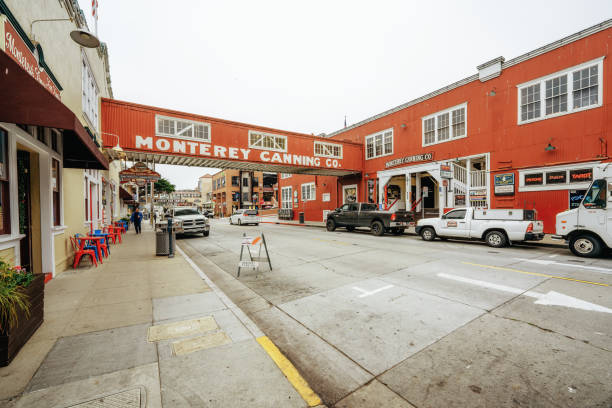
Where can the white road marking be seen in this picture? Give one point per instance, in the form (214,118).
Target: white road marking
(551,298)
(546,262)
(365,293)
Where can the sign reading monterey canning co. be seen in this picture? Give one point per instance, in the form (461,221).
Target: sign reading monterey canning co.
(410,159)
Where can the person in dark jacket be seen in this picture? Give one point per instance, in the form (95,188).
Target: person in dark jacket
(136,220)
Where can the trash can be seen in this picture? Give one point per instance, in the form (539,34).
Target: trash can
(301,218)
(161,242)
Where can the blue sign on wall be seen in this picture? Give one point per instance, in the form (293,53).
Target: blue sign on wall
(504,184)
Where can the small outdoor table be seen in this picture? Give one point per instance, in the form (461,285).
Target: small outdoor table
(98,241)
(104,235)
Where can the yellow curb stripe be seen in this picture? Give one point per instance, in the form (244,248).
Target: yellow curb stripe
(299,383)
(535,273)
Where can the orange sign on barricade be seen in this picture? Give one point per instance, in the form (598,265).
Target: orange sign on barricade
(253,261)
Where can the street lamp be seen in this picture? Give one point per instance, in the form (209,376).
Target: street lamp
(80,36)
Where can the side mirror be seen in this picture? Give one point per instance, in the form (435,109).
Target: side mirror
(338,209)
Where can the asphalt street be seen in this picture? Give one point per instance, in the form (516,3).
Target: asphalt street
(398,322)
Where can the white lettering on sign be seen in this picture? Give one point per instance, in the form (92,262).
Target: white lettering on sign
(204,149)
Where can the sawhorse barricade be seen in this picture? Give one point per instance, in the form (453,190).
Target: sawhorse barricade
(253,261)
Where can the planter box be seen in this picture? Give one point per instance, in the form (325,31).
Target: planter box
(11,340)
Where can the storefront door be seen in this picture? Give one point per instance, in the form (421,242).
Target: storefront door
(349,194)
(25,208)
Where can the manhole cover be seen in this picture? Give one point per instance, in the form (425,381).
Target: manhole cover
(133,398)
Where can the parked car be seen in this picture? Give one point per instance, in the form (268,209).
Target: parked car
(191,221)
(354,215)
(497,228)
(588,228)
(243,216)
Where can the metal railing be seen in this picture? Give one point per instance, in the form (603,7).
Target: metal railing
(478,179)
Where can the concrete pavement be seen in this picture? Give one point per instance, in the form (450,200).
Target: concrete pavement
(142,330)
(396,321)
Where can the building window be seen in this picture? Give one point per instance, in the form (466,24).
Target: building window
(39,131)
(568,177)
(267,141)
(285,175)
(245,182)
(582,82)
(5,202)
(55,141)
(379,144)
(445,125)
(90,94)
(182,128)
(87,197)
(328,150)
(55,184)
(286,197)
(308,192)
(236,181)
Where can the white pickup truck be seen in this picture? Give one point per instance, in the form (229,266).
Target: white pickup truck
(497,228)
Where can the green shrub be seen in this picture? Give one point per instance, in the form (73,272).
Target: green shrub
(12,299)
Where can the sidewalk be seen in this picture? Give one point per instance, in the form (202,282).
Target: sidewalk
(548,241)
(142,330)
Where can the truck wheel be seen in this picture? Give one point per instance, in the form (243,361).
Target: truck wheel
(377,228)
(205,233)
(331,225)
(496,239)
(428,234)
(350,228)
(585,245)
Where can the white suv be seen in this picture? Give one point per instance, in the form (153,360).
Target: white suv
(243,216)
(191,220)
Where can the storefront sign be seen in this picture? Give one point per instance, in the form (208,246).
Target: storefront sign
(445,171)
(556,177)
(534,179)
(575,198)
(504,184)
(581,175)
(16,48)
(478,195)
(325,197)
(410,159)
(139,174)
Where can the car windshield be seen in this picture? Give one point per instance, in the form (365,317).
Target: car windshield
(186,211)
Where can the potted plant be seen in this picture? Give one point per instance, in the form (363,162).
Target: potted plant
(21,308)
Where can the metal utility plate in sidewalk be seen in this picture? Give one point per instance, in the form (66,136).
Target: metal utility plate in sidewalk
(182,329)
(133,398)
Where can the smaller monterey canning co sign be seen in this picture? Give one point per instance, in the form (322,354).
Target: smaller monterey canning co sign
(16,48)
(139,174)
(409,159)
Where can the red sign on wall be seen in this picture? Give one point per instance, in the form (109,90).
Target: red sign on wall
(16,48)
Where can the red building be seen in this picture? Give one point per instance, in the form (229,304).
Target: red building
(520,133)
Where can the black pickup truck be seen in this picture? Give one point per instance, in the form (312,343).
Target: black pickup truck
(355,215)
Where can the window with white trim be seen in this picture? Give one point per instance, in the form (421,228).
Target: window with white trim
(285,175)
(90,94)
(286,197)
(166,126)
(563,92)
(308,192)
(379,144)
(267,141)
(331,150)
(445,125)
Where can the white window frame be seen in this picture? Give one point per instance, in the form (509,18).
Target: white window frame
(570,91)
(327,147)
(558,186)
(373,138)
(89,102)
(451,135)
(285,175)
(274,136)
(284,203)
(308,192)
(160,133)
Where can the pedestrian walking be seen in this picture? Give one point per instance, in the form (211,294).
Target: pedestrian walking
(136,220)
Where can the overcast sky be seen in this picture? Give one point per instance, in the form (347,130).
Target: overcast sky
(303,66)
